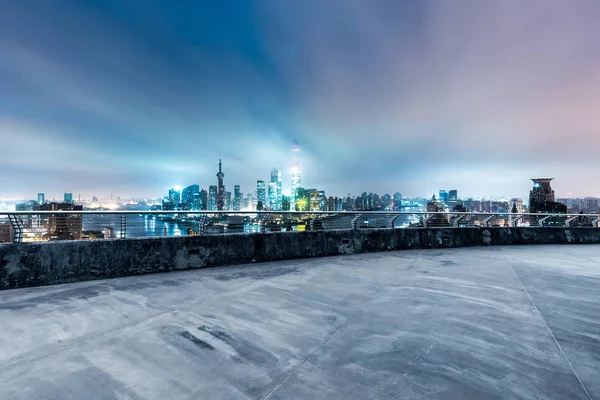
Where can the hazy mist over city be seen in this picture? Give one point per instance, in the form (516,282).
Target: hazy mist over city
(135,97)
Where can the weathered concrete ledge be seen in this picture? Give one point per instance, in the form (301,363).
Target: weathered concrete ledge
(35,264)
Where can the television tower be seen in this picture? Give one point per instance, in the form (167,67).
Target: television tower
(296,174)
(220,188)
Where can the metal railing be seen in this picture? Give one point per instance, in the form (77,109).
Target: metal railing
(32,226)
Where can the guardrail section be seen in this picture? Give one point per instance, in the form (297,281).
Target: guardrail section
(33,226)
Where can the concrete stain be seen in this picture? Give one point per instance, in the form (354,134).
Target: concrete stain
(200,343)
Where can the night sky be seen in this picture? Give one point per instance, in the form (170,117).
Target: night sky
(135,96)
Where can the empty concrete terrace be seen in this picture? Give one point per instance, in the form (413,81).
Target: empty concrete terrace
(465,323)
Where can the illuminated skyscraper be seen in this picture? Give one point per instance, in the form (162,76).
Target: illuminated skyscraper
(443,196)
(174,196)
(261,193)
(68,198)
(296,175)
(190,197)
(220,188)
(212,197)
(275,194)
(272,195)
(41,199)
(237,198)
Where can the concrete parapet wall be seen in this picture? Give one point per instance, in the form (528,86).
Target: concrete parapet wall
(35,264)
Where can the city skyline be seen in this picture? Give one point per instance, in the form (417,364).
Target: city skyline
(132,99)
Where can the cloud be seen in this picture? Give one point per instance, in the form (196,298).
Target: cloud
(384,96)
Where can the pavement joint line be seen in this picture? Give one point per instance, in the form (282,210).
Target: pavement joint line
(36,354)
(548,327)
(365,305)
(324,343)
(353,381)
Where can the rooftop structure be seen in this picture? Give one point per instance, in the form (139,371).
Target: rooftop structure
(499,322)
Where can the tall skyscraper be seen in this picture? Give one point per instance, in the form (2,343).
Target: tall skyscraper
(250,203)
(397,201)
(64,227)
(41,198)
(443,196)
(541,192)
(452,198)
(237,198)
(272,195)
(275,201)
(296,174)
(68,198)
(261,193)
(220,188)
(212,197)
(190,196)
(204,199)
(175,196)
(541,198)
(228,201)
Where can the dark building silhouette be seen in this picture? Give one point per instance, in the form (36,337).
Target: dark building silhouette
(6,232)
(64,226)
(459,207)
(541,198)
(436,219)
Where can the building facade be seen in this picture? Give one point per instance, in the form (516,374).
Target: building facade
(275,200)
(237,198)
(261,193)
(64,226)
(212,197)
(296,174)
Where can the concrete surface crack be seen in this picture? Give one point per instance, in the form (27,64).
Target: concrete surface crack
(353,381)
(548,327)
(325,342)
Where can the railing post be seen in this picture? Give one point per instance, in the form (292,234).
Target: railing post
(264,219)
(17,225)
(516,221)
(541,221)
(486,222)
(354,220)
(123,221)
(455,223)
(426,220)
(568,221)
(202,223)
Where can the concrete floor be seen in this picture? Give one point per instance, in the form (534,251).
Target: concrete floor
(465,323)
